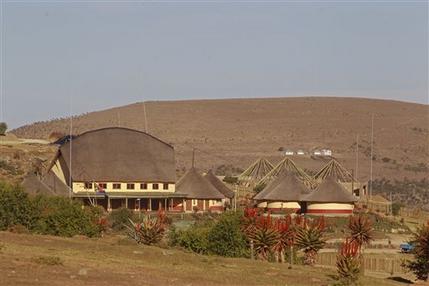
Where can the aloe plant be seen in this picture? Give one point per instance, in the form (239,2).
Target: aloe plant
(149,231)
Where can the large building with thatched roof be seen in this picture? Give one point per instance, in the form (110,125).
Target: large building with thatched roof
(117,167)
(282,194)
(201,194)
(330,198)
(255,172)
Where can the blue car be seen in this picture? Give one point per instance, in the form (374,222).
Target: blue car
(406,247)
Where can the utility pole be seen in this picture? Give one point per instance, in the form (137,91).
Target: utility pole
(193,157)
(372,156)
(145,118)
(357,158)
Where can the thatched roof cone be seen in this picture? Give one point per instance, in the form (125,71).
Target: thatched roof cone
(334,168)
(288,166)
(330,191)
(49,185)
(256,171)
(195,186)
(220,186)
(285,188)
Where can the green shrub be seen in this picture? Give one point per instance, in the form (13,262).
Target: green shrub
(15,207)
(230,179)
(225,238)
(195,238)
(396,208)
(118,219)
(63,217)
(259,188)
(3,128)
(48,260)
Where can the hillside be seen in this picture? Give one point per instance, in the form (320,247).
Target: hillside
(237,131)
(47,260)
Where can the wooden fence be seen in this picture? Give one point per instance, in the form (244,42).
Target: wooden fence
(386,265)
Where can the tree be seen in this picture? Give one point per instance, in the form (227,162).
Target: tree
(3,128)
(420,265)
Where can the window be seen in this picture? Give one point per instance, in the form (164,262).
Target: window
(102,185)
(116,186)
(155,186)
(88,185)
(143,186)
(130,186)
(165,186)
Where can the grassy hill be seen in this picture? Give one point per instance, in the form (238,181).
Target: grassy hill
(235,132)
(46,260)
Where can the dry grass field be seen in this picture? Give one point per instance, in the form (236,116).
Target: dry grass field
(237,131)
(45,260)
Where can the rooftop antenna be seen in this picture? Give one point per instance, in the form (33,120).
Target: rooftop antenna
(372,155)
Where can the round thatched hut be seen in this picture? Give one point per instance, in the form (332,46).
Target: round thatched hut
(330,198)
(283,194)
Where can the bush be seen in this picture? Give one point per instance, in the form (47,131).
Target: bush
(420,265)
(62,217)
(259,188)
(195,238)
(396,208)
(15,208)
(3,128)
(118,219)
(48,260)
(225,238)
(230,180)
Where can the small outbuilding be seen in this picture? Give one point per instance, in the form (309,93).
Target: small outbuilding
(220,186)
(201,195)
(330,198)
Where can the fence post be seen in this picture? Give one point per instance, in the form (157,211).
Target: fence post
(252,254)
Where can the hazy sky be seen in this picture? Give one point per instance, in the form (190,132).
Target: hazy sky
(104,54)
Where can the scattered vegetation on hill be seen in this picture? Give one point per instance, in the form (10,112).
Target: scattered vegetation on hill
(408,192)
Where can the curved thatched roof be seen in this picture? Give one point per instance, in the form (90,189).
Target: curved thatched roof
(285,188)
(288,166)
(256,171)
(334,168)
(330,191)
(195,186)
(220,186)
(118,154)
